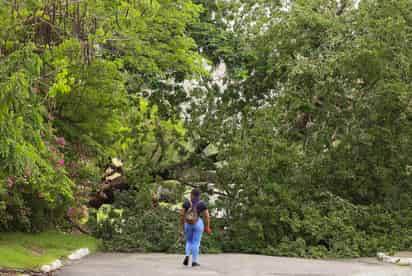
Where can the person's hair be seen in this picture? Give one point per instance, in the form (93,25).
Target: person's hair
(196,192)
(195,196)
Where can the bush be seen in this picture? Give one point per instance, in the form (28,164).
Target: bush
(139,228)
(323,225)
(34,187)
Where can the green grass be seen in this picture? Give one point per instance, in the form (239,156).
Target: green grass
(18,250)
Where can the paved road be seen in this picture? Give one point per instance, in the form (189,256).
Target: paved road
(226,264)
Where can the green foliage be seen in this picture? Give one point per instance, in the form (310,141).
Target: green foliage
(272,208)
(340,92)
(321,226)
(313,129)
(73,71)
(139,228)
(311,123)
(88,99)
(34,188)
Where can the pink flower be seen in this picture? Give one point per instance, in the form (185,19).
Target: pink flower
(71,212)
(60,162)
(60,141)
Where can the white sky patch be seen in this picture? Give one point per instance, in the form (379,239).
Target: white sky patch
(286,5)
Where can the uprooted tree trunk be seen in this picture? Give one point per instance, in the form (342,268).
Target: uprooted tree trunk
(113,180)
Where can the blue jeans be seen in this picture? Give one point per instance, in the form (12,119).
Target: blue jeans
(193,237)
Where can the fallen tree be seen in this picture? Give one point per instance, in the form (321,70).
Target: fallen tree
(113,180)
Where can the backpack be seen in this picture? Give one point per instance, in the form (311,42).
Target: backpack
(191,215)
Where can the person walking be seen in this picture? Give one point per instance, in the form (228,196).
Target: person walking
(194,219)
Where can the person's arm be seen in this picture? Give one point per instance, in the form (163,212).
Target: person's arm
(182,220)
(208,230)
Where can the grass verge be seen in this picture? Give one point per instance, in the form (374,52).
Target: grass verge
(31,251)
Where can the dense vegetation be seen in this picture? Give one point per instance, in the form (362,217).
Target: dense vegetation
(304,144)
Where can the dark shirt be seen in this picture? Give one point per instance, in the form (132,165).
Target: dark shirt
(201,206)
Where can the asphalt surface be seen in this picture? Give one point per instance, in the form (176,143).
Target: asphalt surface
(105,264)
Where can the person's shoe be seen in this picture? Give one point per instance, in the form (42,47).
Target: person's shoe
(195,264)
(186,261)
